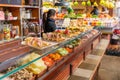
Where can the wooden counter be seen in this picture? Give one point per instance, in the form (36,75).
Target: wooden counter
(12,49)
(63,69)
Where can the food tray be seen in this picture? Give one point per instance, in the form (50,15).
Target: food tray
(43,49)
(58,42)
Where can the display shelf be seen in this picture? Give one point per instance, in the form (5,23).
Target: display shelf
(16,11)
(45,54)
(31,18)
(11,20)
(73,60)
(4,65)
(19,6)
(58,68)
(27,6)
(78,8)
(9,5)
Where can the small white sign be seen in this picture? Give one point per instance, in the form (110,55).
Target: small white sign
(66,22)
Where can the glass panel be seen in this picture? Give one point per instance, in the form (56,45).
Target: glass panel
(14,61)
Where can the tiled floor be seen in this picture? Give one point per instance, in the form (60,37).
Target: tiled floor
(109,68)
(73,77)
(91,61)
(87,66)
(94,57)
(83,72)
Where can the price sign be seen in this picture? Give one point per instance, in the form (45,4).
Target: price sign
(66,22)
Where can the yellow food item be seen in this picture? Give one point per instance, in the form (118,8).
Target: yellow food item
(37,66)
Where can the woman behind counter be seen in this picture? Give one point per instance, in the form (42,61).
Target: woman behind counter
(49,21)
(95,11)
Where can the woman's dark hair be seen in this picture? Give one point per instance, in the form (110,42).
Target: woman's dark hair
(50,13)
(95,7)
(47,15)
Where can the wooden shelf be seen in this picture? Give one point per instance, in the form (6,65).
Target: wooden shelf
(30,18)
(9,5)
(11,20)
(23,6)
(81,0)
(78,8)
(28,6)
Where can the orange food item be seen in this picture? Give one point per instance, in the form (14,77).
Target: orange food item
(55,56)
(48,61)
(92,23)
(69,50)
(88,16)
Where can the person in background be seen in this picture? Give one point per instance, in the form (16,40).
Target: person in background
(49,21)
(64,10)
(95,11)
(104,10)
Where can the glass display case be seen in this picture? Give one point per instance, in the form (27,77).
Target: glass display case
(34,63)
(38,63)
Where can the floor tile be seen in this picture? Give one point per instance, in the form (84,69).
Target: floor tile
(103,44)
(107,75)
(111,63)
(97,52)
(91,61)
(87,66)
(109,68)
(91,56)
(83,73)
(77,78)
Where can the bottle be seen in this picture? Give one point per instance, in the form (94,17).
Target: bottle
(28,14)
(6,31)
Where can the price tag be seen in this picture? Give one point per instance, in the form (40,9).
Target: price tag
(66,22)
